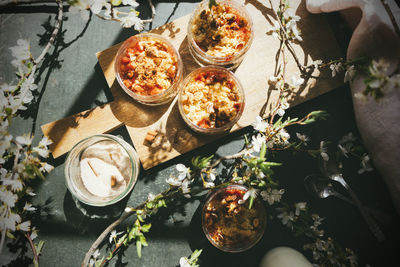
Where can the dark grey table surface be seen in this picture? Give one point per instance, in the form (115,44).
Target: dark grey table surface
(72,81)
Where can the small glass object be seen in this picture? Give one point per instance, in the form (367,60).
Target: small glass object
(149,69)
(101,170)
(221,35)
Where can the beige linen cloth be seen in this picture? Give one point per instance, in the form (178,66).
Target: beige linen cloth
(374,35)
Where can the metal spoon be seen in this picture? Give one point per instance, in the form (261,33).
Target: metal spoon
(333,172)
(321,187)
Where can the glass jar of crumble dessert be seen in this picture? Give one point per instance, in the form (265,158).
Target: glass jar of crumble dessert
(228,222)
(211,100)
(149,69)
(220,35)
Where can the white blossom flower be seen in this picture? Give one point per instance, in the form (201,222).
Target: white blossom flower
(250,193)
(272,196)
(96,254)
(184,172)
(45,142)
(295,82)
(317,63)
(349,74)
(184,262)
(34,233)
(286,217)
(43,152)
(300,206)
(282,107)
(392,83)
(29,84)
(97,5)
(151,197)
(28,207)
(260,124)
(365,164)
(20,52)
(379,68)
(45,167)
(107,12)
(132,20)
(344,150)
(8,198)
(24,140)
(5,88)
(29,191)
(335,68)
(211,174)
(25,226)
(81,7)
(208,184)
(131,3)
(186,186)
(113,235)
(303,138)
(10,221)
(257,142)
(323,150)
(172,180)
(15,184)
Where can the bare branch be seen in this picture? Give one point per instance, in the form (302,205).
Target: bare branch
(57,27)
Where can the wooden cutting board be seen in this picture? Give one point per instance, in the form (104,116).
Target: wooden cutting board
(175,138)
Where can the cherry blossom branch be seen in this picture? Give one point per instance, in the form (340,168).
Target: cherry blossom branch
(57,27)
(105,233)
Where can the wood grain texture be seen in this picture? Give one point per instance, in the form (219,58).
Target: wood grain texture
(175,137)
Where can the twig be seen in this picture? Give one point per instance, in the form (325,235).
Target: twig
(3,233)
(35,255)
(21,2)
(105,233)
(57,27)
(153,12)
(234,156)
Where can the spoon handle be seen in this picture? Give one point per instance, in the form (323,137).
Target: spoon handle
(377,214)
(368,219)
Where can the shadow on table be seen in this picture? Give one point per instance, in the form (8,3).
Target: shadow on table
(85,218)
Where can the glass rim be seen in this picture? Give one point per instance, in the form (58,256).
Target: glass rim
(166,92)
(211,196)
(134,162)
(225,127)
(227,59)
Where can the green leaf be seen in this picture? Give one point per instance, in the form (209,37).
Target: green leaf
(146,228)
(39,247)
(110,255)
(10,235)
(116,2)
(263,151)
(123,238)
(251,202)
(196,254)
(99,262)
(139,248)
